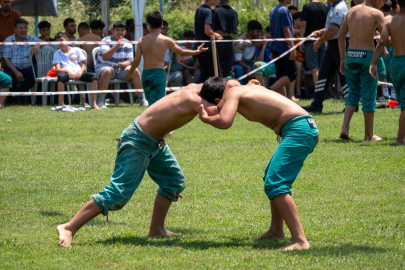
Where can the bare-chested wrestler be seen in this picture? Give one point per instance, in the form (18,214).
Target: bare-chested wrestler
(394,28)
(142,148)
(361,21)
(289,121)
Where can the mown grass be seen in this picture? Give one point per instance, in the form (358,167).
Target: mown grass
(350,195)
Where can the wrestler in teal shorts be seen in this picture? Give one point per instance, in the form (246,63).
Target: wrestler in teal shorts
(387,61)
(398,78)
(299,138)
(266,71)
(5,81)
(154,84)
(137,153)
(381,69)
(361,84)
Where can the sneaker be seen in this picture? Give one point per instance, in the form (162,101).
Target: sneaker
(382,99)
(107,102)
(103,107)
(86,105)
(312,108)
(143,104)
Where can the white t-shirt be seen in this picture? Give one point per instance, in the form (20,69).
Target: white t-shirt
(69,61)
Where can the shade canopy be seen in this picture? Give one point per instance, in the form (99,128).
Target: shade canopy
(35,7)
(138,7)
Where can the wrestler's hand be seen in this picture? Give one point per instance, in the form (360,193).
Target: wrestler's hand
(342,67)
(254,81)
(203,114)
(201,48)
(373,71)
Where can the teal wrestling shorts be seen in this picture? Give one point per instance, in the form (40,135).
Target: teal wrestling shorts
(5,81)
(361,84)
(299,138)
(266,71)
(397,74)
(388,60)
(137,153)
(381,69)
(154,84)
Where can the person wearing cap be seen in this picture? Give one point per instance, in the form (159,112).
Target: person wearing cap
(17,57)
(7,19)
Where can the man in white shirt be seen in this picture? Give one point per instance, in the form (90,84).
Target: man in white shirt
(70,65)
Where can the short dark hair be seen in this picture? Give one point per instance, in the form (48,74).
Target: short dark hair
(297,16)
(267,29)
(155,19)
(129,22)
(84,26)
(97,24)
(67,21)
(131,28)
(144,26)
(119,24)
(213,88)
(165,23)
(385,8)
(292,8)
(44,24)
(401,3)
(254,25)
(393,4)
(188,34)
(60,35)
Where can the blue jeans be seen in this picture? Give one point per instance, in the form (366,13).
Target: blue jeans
(240,71)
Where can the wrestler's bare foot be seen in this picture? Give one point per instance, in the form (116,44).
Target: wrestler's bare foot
(269,235)
(168,135)
(96,107)
(399,143)
(162,233)
(296,246)
(344,135)
(372,137)
(65,236)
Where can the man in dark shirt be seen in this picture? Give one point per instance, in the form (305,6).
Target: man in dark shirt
(225,22)
(313,18)
(203,31)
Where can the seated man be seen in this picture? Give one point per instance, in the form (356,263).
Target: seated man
(245,52)
(45,31)
(263,56)
(70,29)
(17,58)
(97,27)
(114,61)
(70,65)
(5,85)
(187,62)
(175,76)
(85,35)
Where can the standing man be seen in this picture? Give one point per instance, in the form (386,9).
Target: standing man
(313,18)
(85,35)
(7,18)
(203,31)
(70,29)
(97,27)
(331,61)
(225,22)
(281,26)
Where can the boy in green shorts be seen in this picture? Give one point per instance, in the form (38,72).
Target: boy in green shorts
(289,121)
(355,66)
(153,47)
(142,148)
(395,29)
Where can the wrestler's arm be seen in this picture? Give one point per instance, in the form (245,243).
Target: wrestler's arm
(385,34)
(138,57)
(175,48)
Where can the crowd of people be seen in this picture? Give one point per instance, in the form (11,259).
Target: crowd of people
(213,18)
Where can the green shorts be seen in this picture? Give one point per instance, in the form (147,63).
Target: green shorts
(398,78)
(381,69)
(299,138)
(5,81)
(387,61)
(361,84)
(266,71)
(154,84)
(137,153)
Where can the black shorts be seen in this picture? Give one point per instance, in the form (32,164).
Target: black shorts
(86,77)
(284,67)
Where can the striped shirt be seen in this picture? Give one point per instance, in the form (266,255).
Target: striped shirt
(19,55)
(124,53)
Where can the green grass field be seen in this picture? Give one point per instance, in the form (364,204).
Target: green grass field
(350,195)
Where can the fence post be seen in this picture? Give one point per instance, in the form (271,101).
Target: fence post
(214,55)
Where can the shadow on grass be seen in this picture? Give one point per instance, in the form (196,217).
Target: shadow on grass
(338,250)
(51,213)
(340,141)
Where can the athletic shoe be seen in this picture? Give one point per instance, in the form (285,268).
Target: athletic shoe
(143,104)
(312,108)
(103,107)
(382,99)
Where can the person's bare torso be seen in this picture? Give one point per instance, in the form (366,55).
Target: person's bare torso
(396,28)
(154,48)
(171,112)
(264,106)
(362,22)
(89,48)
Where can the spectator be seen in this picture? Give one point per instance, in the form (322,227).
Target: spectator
(17,58)
(85,35)
(293,9)
(114,60)
(70,29)
(225,22)
(145,29)
(5,85)
(175,77)
(313,18)
(97,28)
(245,53)
(203,31)
(45,31)
(7,18)
(187,62)
(263,57)
(70,64)
(394,7)
(299,61)
(331,61)
(130,27)
(281,26)
(110,28)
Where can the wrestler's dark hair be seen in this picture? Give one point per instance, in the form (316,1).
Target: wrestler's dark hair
(155,19)
(97,24)
(60,35)
(297,16)
(401,3)
(84,26)
(213,88)
(119,24)
(254,25)
(67,21)
(292,8)
(44,24)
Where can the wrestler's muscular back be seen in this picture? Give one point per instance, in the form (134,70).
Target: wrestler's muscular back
(397,32)
(154,48)
(362,22)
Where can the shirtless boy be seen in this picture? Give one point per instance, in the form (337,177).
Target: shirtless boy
(361,21)
(289,121)
(140,148)
(153,47)
(395,29)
